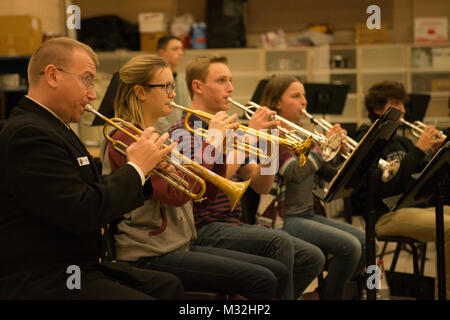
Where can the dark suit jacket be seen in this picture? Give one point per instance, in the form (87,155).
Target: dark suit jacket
(52,203)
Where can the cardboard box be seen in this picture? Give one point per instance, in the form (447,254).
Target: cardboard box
(441,58)
(149,41)
(364,35)
(440,85)
(19,35)
(431,30)
(152,22)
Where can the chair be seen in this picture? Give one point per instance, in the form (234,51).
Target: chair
(418,250)
(249,203)
(406,285)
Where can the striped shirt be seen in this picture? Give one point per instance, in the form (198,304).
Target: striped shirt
(219,208)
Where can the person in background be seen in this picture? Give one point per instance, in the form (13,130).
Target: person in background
(290,204)
(170,48)
(157,236)
(55,204)
(416,223)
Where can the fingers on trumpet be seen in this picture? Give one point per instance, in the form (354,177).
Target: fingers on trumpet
(148,151)
(345,148)
(336,130)
(263,118)
(342,134)
(430,139)
(220,123)
(435,134)
(164,165)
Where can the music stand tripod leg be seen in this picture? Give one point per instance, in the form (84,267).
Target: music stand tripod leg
(372,188)
(440,245)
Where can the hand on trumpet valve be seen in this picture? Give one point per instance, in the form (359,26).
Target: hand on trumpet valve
(164,165)
(218,126)
(147,152)
(342,133)
(263,118)
(430,139)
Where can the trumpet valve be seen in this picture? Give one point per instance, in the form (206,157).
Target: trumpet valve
(331,147)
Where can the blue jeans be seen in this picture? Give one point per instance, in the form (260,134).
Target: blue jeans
(345,242)
(303,260)
(222,270)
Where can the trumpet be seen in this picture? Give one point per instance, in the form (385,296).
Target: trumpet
(418,127)
(300,149)
(330,147)
(389,168)
(233,190)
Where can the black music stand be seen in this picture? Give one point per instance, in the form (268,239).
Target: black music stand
(416,107)
(107,106)
(432,188)
(323,98)
(326,98)
(363,162)
(257,95)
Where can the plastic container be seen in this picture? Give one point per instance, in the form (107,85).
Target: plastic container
(199,35)
(383,293)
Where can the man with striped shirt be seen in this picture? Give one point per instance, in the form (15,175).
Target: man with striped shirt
(209,84)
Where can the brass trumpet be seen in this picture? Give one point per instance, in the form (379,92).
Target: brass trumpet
(389,168)
(330,147)
(300,149)
(233,190)
(418,127)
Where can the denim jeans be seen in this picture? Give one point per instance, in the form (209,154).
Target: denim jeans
(221,270)
(345,242)
(303,260)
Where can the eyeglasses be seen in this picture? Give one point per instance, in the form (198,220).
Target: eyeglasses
(88,81)
(170,87)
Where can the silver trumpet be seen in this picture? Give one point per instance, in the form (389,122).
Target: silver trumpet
(330,146)
(418,127)
(389,168)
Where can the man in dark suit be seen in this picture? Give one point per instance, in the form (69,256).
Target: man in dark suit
(53,200)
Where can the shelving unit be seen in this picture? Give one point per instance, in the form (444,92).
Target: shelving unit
(360,66)
(9,97)
(430,74)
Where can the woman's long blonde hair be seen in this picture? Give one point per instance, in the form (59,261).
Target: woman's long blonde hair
(137,71)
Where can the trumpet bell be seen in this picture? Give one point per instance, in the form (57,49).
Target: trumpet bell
(331,148)
(235,192)
(389,169)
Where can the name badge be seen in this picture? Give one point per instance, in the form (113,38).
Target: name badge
(83,161)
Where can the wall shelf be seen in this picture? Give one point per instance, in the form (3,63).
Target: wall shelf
(364,65)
